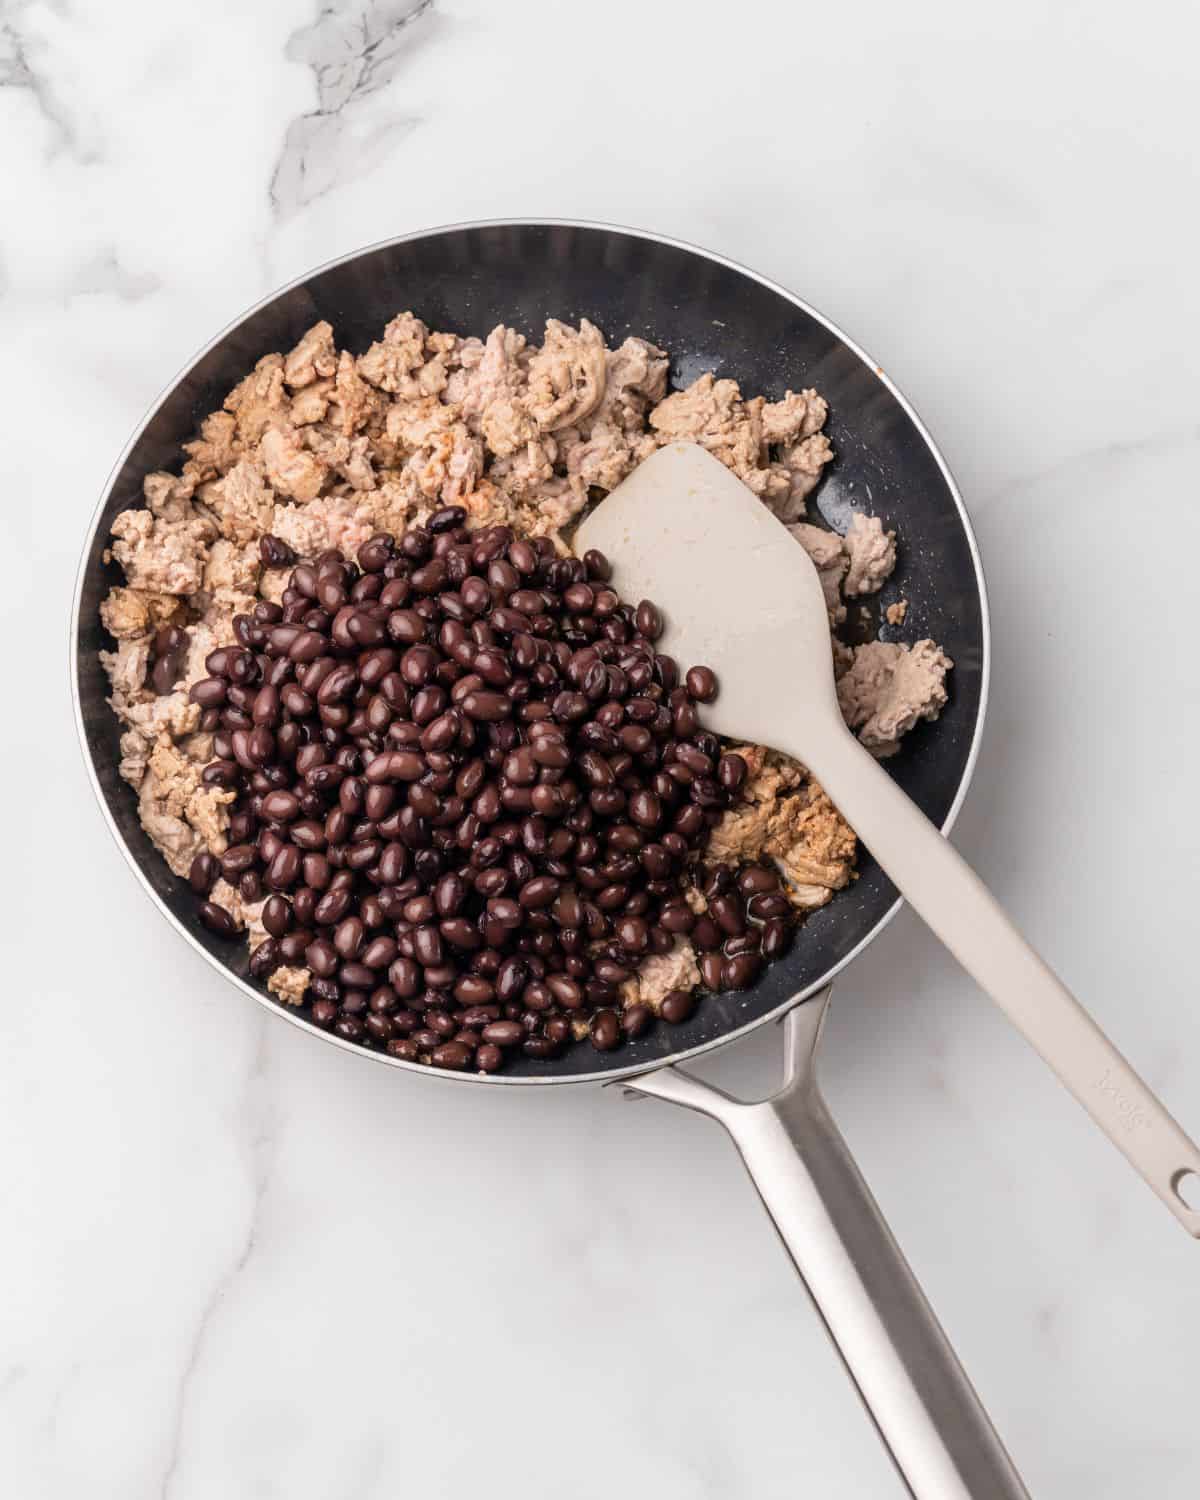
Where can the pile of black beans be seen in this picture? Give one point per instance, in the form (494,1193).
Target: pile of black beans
(473,795)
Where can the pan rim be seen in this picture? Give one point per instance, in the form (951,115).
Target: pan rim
(614,1075)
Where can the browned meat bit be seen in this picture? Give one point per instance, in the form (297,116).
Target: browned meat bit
(889,688)
(216,450)
(793,418)
(872,555)
(566,375)
(785,816)
(161,556)
(240,502)
(259,400)
(897,613)
(313,358)
(391,363)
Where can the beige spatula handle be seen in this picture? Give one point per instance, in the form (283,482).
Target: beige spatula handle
(951,899)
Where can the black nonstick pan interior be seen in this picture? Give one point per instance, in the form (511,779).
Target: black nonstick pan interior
(709,315)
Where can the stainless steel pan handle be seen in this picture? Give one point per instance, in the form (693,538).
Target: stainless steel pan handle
(916,1392)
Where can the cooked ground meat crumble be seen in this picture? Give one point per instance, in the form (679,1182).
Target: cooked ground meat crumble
(325,450)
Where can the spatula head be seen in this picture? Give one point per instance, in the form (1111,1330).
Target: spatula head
(737,593)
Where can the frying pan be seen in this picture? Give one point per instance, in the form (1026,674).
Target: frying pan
(711,315)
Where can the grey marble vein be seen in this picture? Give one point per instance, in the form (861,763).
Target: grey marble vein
(356,49)
(19,69)
(15,71)
(104,275)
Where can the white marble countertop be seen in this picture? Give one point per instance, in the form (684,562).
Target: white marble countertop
(239,1264)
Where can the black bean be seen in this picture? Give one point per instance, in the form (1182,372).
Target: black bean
(645,809)
(605,1031)
(357,976)
(648,620)
(695,760)
(632,933)
(405,977)
(384,999)
(701,683)
(450,1055)
(379,952)
(332,906)
(281,807)
(348,937)
(689,820)
(712,970)
(565,990)
(446,519)
(523,557)
(731,772)
(503,1033)
(677,1005)
(427,945)
(718,881)
(767,904)
(284,869)
(203,874)
(217,919)
(486,706)
(274,552)
(777,937)
(540,1047)
(325,1007)
(511,978)
(209,692)
(756,879)
(375,553)
(396,765)
(475,992)
(538,892)
(241,667)
(293,946)
(265,958)
(677,916)
(728,914)
(636,1020)
(237,857)
(276,916)
(579,598)
(265,709)
(379,1026)
(740,973)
